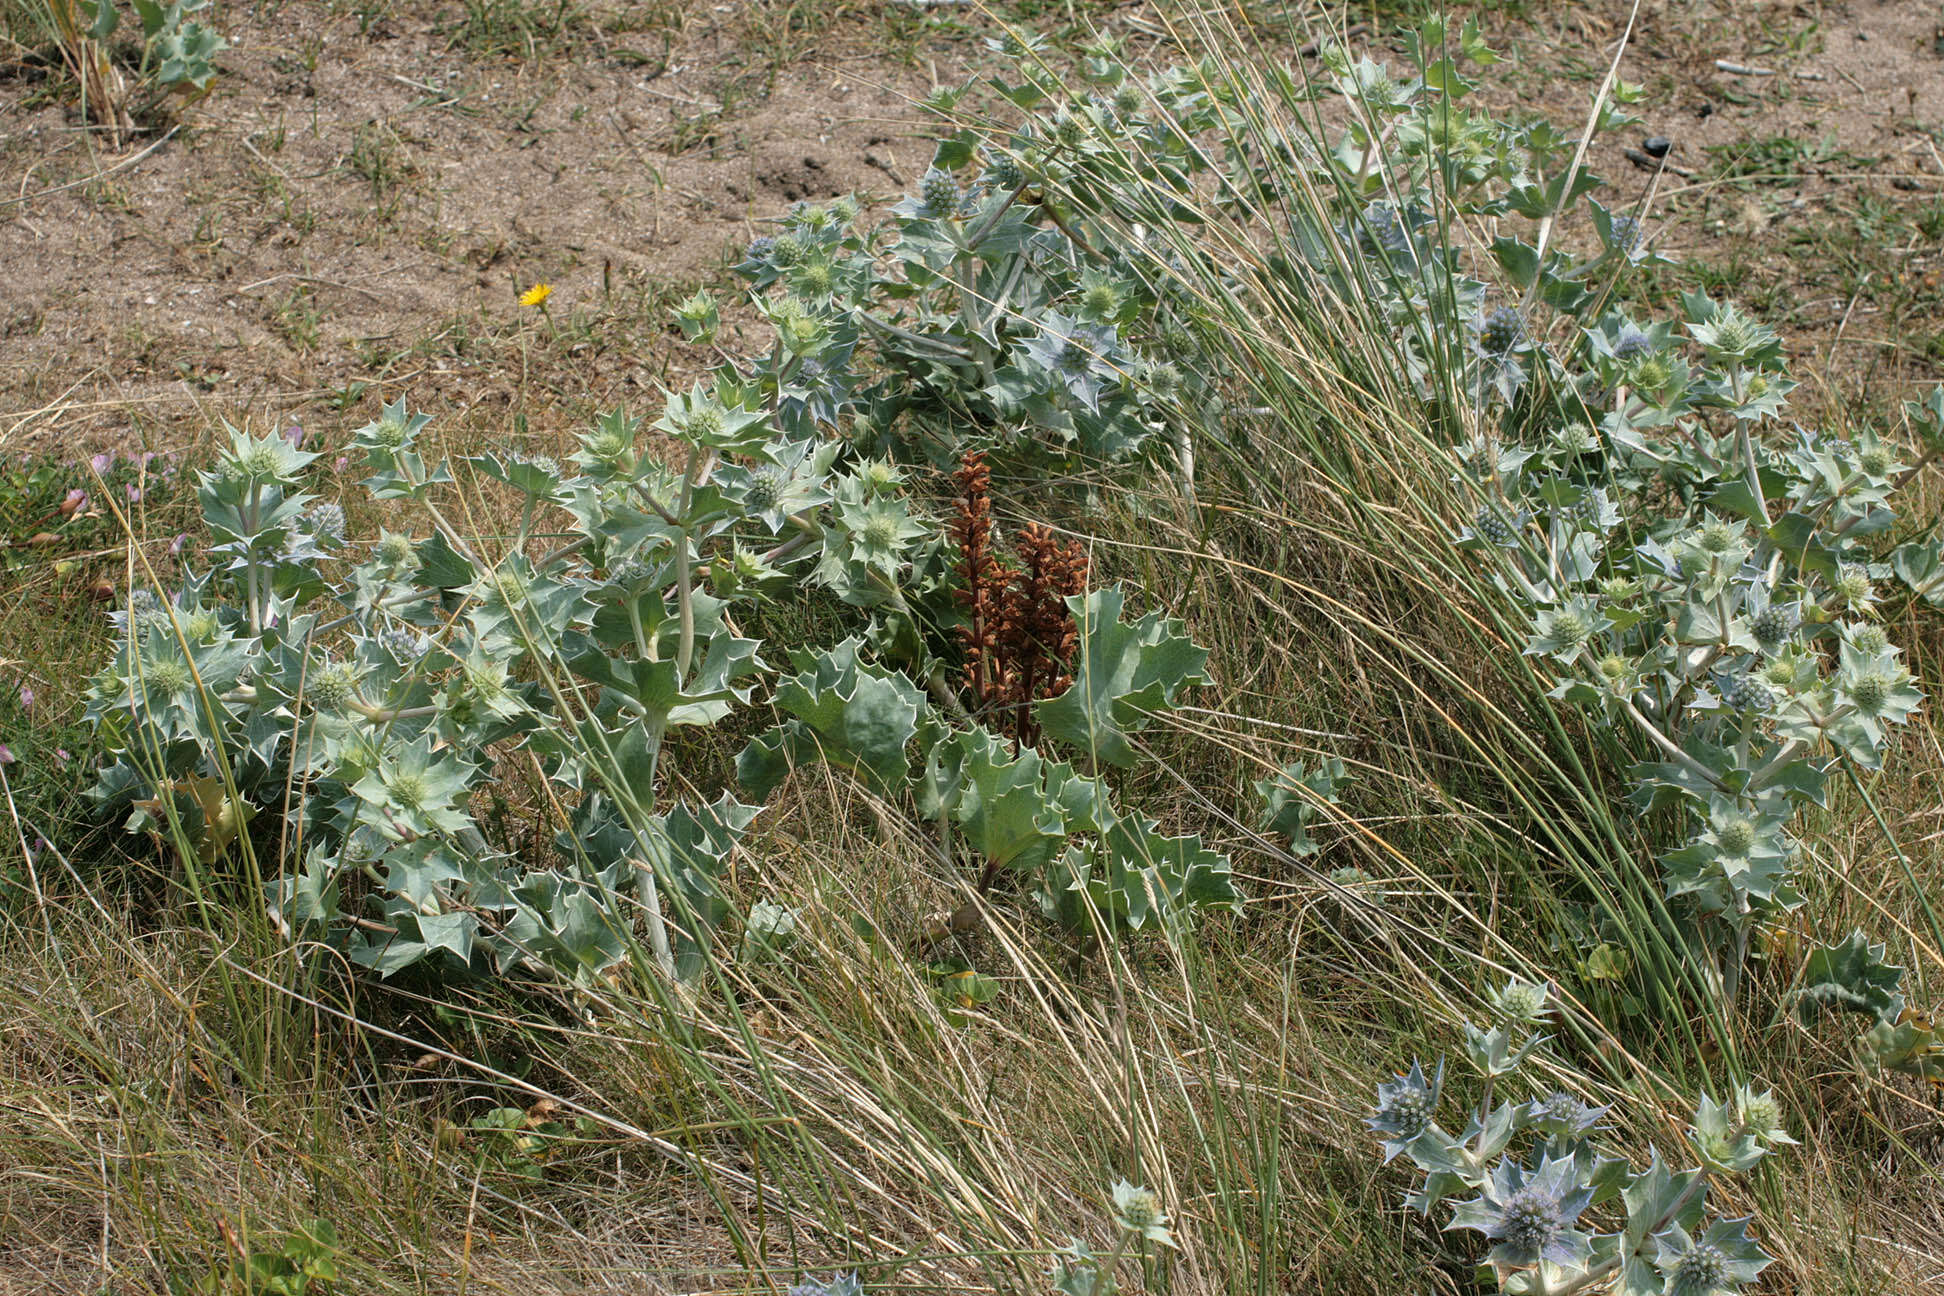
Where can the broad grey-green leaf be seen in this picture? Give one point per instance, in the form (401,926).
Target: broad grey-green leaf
(1850,977)
(1122,675)
(848,712)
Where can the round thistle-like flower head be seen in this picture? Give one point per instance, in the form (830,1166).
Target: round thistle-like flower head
(1562,1113)
(402,642)
(1869,691)
(1387,230)
(815,278)
(1141,1209)
(1870,639)
(765,489)
(1735,333)
(508,587)
(1409,1110)
(1100,298)
(1501,330)
(1589,508)
(1070,129)
(939,192)
(1618,589)
(1717,537)
(787,250)
(326,522)
(1614,668)
(628,573)
(200,626)
(704,422)
(260,461)
(391,432)
(166,675)
(1736,837)
(1491,525)
(1745,692)
(1531,1214)
(1138,1210)
(394,550)
(760,248)
(1569,627)
(408,788)
(332,687)
(1003,171)
(1522,1001)
(1161,378)
(881,532)
(1406,1106)
(802,331)
(483,682)
(1779,674)
(1128,101)
(1852,583)
(1774,625)
(608,442)
(1651,374)
(1699,1272)
(1761,1115)
(1626,234)
(1632,345)
(1531,1220)
(1874,461)
(879,475)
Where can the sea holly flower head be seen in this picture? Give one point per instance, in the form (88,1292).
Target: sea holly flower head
(879,530)
(1523,1003)
(1531,1214)
(794,480)
(1561,632)
(268,458)
(1406,1107)
(1138,1211)
(1774,625)
(1561,1115)
(1734,337)
(1500,330)
(415,792)
(839,1285)
(1084,358)
(1722,1142)
(1493,525)
(1723,1259)
(1761,1116)
(939,193)
(1744,851)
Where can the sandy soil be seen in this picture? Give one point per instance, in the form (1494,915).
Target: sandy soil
(366,208)
(353,213)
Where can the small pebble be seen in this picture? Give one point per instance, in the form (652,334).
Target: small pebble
(1657,145)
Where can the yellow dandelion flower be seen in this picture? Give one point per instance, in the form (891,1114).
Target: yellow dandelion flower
(536,295)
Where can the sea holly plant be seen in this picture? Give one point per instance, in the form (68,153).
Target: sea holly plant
(1556,1209)
(1141,1229)
(1852,977)
(1690,564)
(1710,580)
(374,685)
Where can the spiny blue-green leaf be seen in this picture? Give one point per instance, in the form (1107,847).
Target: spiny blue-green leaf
(1002,804)
(849,712)
(1122,675)
(1850,977)
(1289,799)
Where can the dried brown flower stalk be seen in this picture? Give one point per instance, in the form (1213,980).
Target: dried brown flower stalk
(1019,634)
